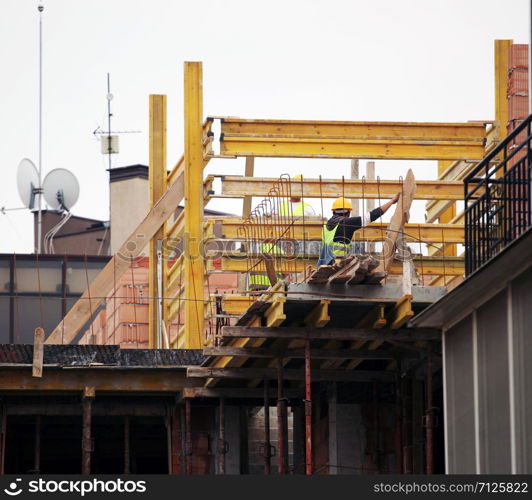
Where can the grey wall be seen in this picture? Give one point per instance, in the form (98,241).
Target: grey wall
(522,360)
(460,398)
(493,386)
(488,384)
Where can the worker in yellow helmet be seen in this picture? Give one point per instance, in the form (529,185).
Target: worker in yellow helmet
(294,206)
(340,228)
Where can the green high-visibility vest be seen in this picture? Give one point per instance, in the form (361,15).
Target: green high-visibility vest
(297,210)
(337,248)
(259,278)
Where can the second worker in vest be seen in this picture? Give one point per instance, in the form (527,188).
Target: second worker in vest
(339,230)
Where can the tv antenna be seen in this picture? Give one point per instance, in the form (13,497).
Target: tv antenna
(109,138)
(40,8)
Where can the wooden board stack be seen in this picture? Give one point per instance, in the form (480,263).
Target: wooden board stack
(352,270)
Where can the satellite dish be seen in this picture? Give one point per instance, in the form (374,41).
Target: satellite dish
(27,182)
(61,189)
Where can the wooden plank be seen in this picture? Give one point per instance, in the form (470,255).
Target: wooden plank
(401,313)
(272,352)
(346,272)
(157,180)
(369,188)
(405,334)
(194,262)
(322,274)
(398,220)
(103,283)
(288,374)
(249,171)
(319,316)
(38,352)
(502,48)
(238,392)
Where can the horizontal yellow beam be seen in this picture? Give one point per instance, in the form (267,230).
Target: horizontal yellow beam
(450,266)
(236,304)
(368,130)
(333,188)
(312,230)
(235,145)
(392,140)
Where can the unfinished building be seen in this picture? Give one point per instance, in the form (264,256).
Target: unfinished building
(335,369)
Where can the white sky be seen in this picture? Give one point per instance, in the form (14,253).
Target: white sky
(408,60)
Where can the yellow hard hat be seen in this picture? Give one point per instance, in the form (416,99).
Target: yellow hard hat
(342,204)
(298,176)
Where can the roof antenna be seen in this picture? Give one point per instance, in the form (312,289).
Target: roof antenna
(40,8)
(109,137)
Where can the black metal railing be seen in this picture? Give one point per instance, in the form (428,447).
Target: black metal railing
(497,198)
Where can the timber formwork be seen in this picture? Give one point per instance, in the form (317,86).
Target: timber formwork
(297,343)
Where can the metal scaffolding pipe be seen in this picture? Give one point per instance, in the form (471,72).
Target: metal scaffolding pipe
(3,434)
(222,445)
(37,451)
(429,418)
(308,412)
(127,446)
(86,440)
(376,428)
(407,427)
(174,441)
(188,437)
(398,423)
(267,452)
(282,458)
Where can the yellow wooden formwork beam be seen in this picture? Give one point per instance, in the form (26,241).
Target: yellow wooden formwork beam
(236,304)
(502,48)
(447,215)
(158,185)
(194,266)
(275,315)
(375,318)
(434,265)
(354,129)
(175,275)
(237,145)
(401,313)
(350,188)
(319,316)
(392,140)
(376,231)
(175,304)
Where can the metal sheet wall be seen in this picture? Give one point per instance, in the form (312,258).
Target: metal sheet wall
(460,411)
(493,386)
(521,290)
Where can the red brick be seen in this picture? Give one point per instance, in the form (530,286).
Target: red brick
(518,56)
(518,82)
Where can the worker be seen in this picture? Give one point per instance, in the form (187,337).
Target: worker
(259,280)
(294,206)
(340,228)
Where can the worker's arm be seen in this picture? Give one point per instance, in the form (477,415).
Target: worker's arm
(374,214)
(386,206)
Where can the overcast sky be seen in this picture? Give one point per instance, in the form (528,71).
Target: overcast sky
(409,60)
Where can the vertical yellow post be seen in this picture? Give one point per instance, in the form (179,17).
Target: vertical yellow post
(158,186)
(502,48)
(193,262)
(447,215)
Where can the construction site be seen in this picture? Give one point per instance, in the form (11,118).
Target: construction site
(189,341)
